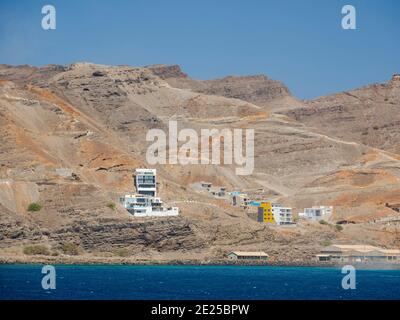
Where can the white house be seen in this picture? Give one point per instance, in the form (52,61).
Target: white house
(145,182)
(147,206)
(282,215)
(316,212)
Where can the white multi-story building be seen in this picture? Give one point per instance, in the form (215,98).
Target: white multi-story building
(145,182)
(316,212)
(282,215)
(147,206)
(326,209)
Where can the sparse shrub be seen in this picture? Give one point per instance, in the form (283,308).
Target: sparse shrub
(36,250)
(323,222)
(34,207)
(124,252)
(111,205)
(338,227)
(326,243)
(70,248)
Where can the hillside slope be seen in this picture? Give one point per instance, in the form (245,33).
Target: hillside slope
(71,137)
(369,115)
(258,89)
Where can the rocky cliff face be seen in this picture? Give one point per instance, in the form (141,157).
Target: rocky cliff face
(71,137)
(167,71)
(256,89)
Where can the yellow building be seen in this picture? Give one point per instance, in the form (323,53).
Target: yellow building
(265,213)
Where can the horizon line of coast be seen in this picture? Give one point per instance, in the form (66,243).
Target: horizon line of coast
(91,260)
(98,261)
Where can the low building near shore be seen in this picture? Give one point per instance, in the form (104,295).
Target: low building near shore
(358,253)
(247,255)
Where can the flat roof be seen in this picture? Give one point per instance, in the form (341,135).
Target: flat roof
(363,249)
(250,253)
(390,251)
(140,196)
(352,247)
(144,170)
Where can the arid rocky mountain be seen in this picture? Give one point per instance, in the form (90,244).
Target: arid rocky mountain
(257,89)
(369,115)
(71,137)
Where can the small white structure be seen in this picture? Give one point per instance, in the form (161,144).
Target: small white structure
(145,182)
(282,215)
(147,206)
(240,199)
(64,172)
(246,255)
(316,212)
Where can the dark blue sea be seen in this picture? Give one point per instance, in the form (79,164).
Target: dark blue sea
(195,282)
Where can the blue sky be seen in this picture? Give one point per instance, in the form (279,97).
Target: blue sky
(298,42)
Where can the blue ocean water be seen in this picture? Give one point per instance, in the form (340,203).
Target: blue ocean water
(195,282)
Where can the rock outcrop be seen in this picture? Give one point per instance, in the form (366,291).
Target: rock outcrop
(257,89)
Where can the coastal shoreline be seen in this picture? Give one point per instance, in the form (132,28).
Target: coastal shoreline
(93,261)
(84,260)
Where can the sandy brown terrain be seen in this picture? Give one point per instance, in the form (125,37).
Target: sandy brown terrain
(93,119)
